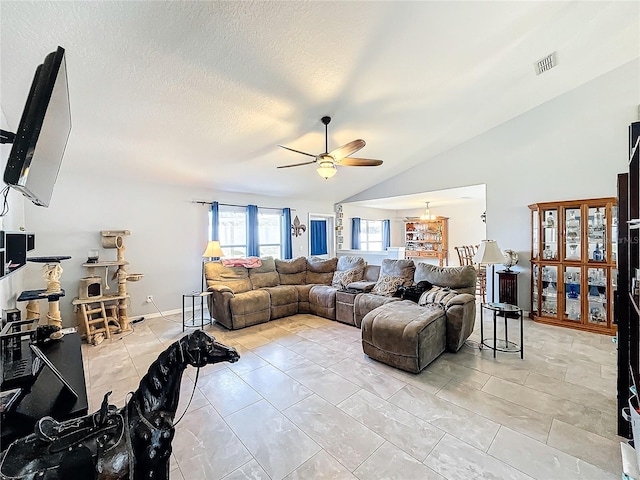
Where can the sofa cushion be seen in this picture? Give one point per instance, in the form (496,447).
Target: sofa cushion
(351,261)
(292,272)
(284,300)
(250,308)
(342,278)
(440,295)
(399,268)
(322,301)
(236,278)
(320,271)
(387,285)
(264,275)
(462,279)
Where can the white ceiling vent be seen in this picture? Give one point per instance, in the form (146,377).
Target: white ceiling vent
(547,63)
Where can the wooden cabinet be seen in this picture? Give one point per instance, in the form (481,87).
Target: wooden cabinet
(427,239)
(573,262)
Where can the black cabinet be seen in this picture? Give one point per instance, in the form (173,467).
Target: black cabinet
(628,305)
(13,250)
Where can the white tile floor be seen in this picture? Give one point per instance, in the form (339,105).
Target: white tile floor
(304,402)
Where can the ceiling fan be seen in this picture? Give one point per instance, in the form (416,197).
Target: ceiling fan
(327,161)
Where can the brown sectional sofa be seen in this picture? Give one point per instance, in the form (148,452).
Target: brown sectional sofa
(243,297)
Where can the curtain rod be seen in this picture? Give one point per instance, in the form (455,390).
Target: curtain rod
(234,205)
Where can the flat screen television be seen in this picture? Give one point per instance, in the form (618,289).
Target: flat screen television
(41,139)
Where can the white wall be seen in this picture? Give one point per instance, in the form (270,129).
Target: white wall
(168,234)
(465,225)
(571,147)
(367,213)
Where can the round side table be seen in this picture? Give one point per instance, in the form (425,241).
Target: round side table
(496,344)
(193,297)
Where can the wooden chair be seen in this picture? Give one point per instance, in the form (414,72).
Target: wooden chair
(465,256)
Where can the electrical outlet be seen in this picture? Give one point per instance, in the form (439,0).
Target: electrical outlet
(149,298)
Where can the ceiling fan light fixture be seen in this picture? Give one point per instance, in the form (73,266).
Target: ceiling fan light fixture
(326,169)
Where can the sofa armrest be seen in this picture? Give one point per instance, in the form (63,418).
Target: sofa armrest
(362,286)
(460,299)
(220,289)
(461,318)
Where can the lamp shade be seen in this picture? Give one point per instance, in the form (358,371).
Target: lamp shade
(213,250)
(488,253)
(326,169)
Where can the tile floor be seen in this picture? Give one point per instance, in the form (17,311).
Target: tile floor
(304,402)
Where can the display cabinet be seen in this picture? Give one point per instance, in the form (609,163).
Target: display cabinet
(573,262)
(427,239)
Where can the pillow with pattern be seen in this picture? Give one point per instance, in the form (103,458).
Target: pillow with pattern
(387,285)
(342,278)
(440,295)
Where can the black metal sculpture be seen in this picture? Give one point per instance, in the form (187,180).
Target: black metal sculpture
(133,442)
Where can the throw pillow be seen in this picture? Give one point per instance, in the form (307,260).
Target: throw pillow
(440,295)
(342,278)
(387,285)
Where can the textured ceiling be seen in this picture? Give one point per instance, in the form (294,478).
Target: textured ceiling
(200,93)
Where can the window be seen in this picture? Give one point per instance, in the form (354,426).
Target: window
(371,235)
(270,232)
(232,230)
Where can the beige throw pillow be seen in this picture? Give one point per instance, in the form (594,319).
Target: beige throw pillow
(387,285)
(342,278)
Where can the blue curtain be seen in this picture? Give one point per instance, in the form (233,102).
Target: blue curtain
(253,240)
(215,220)
(318,237)
(287,245)
(386,234)
(355,233)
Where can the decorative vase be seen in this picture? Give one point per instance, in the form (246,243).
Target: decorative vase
(597,253)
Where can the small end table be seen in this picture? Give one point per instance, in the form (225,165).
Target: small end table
(193,297)
(502,309)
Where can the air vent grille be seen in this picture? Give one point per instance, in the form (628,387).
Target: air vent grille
(546,63)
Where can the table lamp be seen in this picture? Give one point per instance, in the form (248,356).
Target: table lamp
(489,254)
(213,251)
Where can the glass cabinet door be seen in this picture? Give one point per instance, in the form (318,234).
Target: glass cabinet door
(597,234)
(572,294)
(549,292)
(535,298)
(550,234)
(614,234)
(572,250)
(598,295)
(534,230)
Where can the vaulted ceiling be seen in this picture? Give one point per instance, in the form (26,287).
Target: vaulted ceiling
(200,93)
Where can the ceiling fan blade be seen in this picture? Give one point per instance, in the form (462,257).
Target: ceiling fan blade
(297,151)
(296,164)
(346,150)
(359,162)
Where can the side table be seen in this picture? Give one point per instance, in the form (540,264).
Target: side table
(193,297)
(344,307)
(503,309)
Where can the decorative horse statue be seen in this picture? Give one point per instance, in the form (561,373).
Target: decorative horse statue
(133,442)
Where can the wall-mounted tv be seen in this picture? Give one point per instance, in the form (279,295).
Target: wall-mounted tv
(41,139)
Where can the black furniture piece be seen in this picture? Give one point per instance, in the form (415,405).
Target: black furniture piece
(48,395)
(628,306)
(508,290)
(499,345)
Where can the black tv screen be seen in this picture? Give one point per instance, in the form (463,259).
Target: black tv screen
(42,135)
